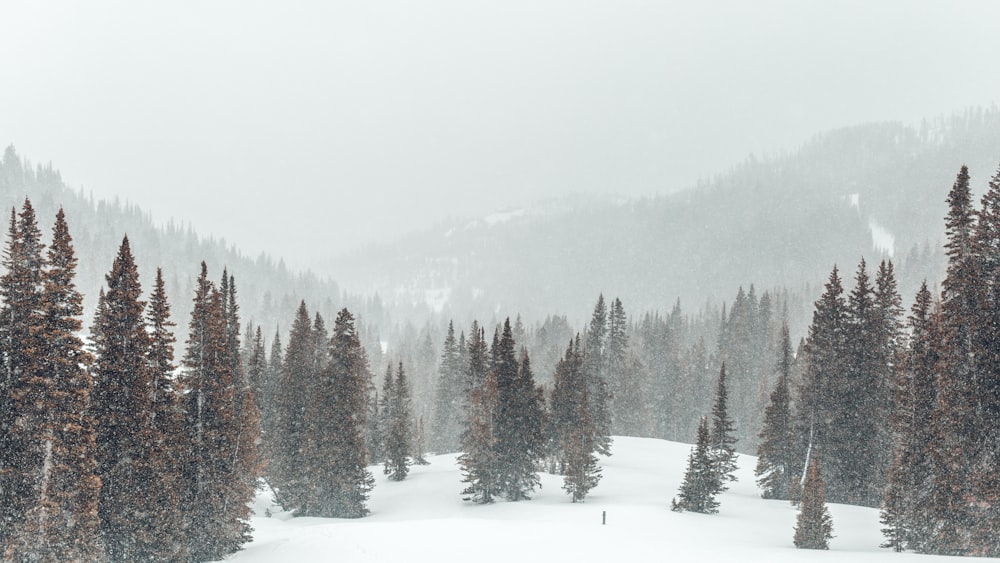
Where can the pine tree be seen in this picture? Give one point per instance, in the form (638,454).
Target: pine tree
(449,402)
(953,418)
(582,473)
(594,366)
(216,499)
(20,319)
(567,399)
(825,353)
(984,479)
(375,423)
(626,377)
(776,454)
(478,360)
(722,440)
(168,424)
(127,457)
(887,359)
(814,527)
(852,446)
(479,442)
(701,481)
(905,506)
(272,378)
(518,420)
(336,460)
(61,523)
(291,396)
(257,371)
(398,444)
(247,424)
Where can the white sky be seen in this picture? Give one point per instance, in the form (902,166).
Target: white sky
(315,127)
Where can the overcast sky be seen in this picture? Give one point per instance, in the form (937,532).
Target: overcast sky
(304,127)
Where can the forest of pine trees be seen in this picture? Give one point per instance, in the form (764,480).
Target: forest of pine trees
(112,449)
(109,453)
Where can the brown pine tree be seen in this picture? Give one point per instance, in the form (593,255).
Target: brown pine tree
(814,527)
(953,418)
(62,522)
(215,500)
(20,319)
(139,477)
(168,425)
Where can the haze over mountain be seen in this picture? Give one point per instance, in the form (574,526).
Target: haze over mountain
(873,190)
(354,123)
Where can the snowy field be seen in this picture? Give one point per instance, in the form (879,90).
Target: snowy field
(424,518)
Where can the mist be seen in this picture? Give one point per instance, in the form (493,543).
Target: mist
(309,129)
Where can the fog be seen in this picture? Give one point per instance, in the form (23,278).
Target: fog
(304,129)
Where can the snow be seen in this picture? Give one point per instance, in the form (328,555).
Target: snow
(496,218)
(883,240)
(437,298)
(855,200)
(423,518)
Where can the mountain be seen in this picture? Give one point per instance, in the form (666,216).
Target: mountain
(874,190)
(268,291)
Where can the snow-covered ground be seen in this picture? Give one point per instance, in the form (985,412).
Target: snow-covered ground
(424,518)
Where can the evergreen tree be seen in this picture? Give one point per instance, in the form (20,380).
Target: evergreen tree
(257,370)
(61,522)
(384,413)
(776,454)
(449,402)
(888,354)
(398,444)
(478,359)
(566,403)
(336,450)
(479,459)
(722,441)
(851,450)
(628,385)
(701,481)
(582,473)
(268,410)
(375,424)
(291,396)
(246,456)
(168,423)
(825,366)
(216,499)
(518,420)
(814,527)
(953,418)
(984,479)
(904,508)
(128,459)
(21,288)
(594,366)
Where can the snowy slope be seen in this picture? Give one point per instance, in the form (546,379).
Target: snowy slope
(424,518)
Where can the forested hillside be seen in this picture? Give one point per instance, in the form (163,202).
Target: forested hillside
(269,292)
(869,190)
